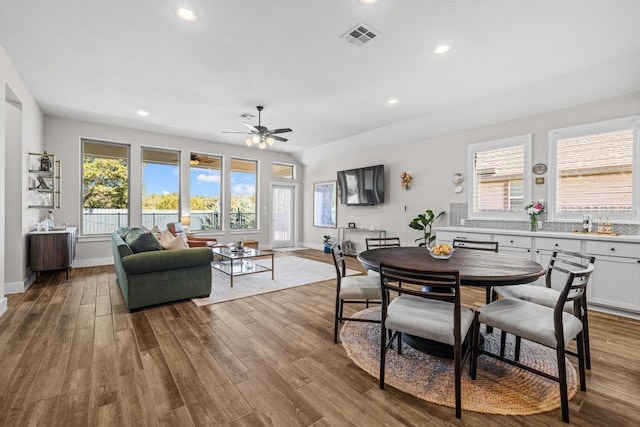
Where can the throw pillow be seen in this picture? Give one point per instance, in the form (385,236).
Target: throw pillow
(156,232)
(132,234)
(169,242)
(122,231)
(145,242)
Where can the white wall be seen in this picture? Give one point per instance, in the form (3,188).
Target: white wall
(62,137)
(20,133)
(432,163)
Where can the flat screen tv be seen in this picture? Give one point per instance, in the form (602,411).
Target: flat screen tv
(362,186)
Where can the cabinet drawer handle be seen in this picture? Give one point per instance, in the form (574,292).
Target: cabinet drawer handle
(510,241)
(556,245)
(613,249)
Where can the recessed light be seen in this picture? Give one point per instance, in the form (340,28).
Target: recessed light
(186,14)
(392,100)
(368,1)
(143,113)
(442,48)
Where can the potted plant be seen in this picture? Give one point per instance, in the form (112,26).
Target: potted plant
(423,222)
(327,243)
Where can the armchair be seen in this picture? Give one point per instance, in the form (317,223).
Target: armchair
(175,228)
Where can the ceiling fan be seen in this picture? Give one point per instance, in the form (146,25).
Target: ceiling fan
(261,135)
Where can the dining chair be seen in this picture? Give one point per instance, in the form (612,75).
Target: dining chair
(423,310)
(380,242)
(548,296)
(352,289)
(552,327)
(479,245)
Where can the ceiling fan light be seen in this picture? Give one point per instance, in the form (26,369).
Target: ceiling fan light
(262,145)
(270,141)
(249,141)
(256,139)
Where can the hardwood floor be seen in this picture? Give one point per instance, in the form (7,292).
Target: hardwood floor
(72,355)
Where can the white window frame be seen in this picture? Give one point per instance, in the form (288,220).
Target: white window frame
(587,129)
(524,140)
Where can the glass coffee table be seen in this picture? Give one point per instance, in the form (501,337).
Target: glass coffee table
(238,262)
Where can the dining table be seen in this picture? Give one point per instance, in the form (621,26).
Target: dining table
(476,268)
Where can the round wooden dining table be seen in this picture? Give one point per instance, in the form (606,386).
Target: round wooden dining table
(476,268)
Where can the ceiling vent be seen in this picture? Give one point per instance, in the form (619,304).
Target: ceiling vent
(360,34)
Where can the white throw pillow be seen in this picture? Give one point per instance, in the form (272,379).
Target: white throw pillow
(169,242)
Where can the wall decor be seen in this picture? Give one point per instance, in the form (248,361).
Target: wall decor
(457,178)
(539,168)
(539,180)
(325,198)
(406,180)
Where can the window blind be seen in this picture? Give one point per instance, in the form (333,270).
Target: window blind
(595,173)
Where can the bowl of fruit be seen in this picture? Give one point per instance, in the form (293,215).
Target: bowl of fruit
(441,251)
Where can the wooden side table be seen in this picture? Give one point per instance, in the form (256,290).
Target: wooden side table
(253,244)
(52,250)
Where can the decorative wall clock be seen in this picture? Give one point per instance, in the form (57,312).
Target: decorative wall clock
(539,168)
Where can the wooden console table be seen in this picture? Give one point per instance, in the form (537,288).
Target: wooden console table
(52,250)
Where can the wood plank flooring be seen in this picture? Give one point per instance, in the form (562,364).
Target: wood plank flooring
(72,355)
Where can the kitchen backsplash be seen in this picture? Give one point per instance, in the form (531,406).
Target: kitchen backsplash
(459,211)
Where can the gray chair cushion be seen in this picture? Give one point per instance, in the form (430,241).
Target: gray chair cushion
(360,287)
(532,293)
(426,318)
(528,320)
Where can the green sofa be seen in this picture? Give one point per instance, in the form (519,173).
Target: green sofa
(148,274)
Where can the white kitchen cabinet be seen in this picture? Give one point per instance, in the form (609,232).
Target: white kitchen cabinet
(615,283)
(616,279)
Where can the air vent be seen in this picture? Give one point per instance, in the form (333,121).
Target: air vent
(247,116)
(360,34)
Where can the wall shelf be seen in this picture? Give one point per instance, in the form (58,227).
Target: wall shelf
(44,181)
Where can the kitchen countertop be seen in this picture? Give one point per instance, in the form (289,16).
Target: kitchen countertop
(627,238)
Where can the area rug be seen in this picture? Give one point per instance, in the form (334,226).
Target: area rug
(499,388)
(289,249)
(290,271)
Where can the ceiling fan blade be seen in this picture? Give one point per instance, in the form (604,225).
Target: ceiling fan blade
(278,138)
(251,127)
(283,130)
(226,131)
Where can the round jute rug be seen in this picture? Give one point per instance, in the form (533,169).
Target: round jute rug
(499,388)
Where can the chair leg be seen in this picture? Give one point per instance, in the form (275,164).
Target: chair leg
(335,326)
(516,355)
(399,342)
(562,379)
(503,342)
(488,296)
(341,310)
(458,376)
(383,352)
(475,350)
(581,362)
(585,331)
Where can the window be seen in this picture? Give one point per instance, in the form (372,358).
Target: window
(244,206)
(204,204)
(105,187)
(500,177)
(282,170)
(160,187)
(594,170)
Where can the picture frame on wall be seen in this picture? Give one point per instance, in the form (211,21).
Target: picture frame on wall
(325,199)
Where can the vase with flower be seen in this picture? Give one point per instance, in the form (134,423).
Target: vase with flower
(534,210)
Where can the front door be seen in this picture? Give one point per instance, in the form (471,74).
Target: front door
(282,211)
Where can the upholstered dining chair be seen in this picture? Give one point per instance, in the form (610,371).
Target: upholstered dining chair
(423,310)
(478,245)
(351,289)
(548,296)
(551,327)
(175,228)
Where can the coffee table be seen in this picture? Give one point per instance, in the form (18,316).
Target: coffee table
(238,262)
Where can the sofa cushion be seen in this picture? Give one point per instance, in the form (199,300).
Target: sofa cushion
(145,242)
(168,241)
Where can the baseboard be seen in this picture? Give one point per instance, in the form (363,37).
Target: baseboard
(3,305)
(92,262)
(318,246)
(614,311)
(19,287)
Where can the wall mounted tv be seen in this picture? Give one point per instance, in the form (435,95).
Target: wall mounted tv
(362,186)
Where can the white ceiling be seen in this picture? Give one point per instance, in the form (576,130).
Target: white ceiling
(103,60)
